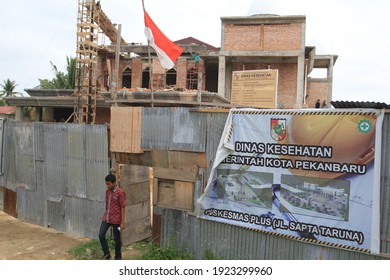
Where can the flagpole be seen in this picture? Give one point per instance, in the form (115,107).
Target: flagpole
(150,66)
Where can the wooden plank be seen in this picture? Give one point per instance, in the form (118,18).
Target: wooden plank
(184,195)
(136,231)
(166,194)
(88,24)
(137,193)
(176,194)
(135,181)
(125,129)
(137,130)
(119,131)
(86,52)
(10,198)
(186,160)
(144,159)
(108,63)
(176,174)
(211,110)
(137,211)
(88,44)
(160,158)
(155,191)
(156,228)
(130,174)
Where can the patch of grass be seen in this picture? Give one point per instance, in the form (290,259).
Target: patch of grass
(90,250)
(209,255)
(152,251)
(146,250)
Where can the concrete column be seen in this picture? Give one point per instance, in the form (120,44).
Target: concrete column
(136,73)
(181,72)
(330,80)
(38,114)
(49,114)
(19,113)
(221,76)
(300,82)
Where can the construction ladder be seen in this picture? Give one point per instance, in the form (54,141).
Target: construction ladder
(85,92)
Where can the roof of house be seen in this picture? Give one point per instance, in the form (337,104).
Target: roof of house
(7,110)
(192,40)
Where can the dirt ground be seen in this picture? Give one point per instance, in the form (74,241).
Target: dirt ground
(24,241)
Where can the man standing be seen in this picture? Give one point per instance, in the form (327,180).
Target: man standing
(114,217)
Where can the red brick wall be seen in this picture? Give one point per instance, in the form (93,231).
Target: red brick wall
(201,70)
(282,37)
(317,90)
(123,65)
(100,70)
(263,37)
(102,73)
(242,37)
(136,73)
(102,115)
(287,85)
(181,69)
(137,65)
(158,81)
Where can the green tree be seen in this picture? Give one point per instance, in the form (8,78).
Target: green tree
(7,90)
(61,80)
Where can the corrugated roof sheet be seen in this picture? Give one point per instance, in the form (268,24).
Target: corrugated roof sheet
(359,104)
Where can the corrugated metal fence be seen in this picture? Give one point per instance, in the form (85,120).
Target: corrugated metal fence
(200,237)
(57,171)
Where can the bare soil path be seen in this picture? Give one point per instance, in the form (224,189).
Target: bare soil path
(24,241)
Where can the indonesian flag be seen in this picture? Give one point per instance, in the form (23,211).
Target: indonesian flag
(166,50)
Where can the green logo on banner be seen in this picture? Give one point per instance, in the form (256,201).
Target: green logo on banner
(364,126)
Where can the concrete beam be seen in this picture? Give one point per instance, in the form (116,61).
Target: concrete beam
(221,76)
(67,102)
(263,53)
(263,19)
(143,49)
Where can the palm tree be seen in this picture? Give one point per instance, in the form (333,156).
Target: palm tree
(61,80)
(71,71)
(8,88)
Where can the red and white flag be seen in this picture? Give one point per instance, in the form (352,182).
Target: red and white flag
(167,51)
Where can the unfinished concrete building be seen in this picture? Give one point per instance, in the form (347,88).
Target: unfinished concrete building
(275,42)
(247,43)
(134,68)
(251,43)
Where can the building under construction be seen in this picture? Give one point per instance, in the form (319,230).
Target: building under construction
(123,73)
(159,131)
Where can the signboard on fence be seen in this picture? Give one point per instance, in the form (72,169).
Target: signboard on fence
(255,88)
(309,174)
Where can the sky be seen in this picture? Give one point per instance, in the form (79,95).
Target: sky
(35,33)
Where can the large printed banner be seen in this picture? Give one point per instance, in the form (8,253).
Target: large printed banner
(310,174)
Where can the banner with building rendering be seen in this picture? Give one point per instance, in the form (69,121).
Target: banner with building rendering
(310,174)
